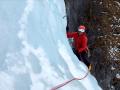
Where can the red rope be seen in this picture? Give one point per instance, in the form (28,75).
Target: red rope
(65,83)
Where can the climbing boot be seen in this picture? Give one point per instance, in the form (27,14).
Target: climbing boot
(90,67)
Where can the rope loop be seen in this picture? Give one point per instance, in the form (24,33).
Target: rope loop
(68,81)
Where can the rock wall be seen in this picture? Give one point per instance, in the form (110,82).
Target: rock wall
(107,43)
(102,18)
(76,13)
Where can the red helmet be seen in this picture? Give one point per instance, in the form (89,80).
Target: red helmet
(82,27)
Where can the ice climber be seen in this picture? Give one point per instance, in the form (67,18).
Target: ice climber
(80,47)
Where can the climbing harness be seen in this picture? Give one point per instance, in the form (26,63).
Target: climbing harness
(68,81)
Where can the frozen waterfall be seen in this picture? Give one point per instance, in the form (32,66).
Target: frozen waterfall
(35,53)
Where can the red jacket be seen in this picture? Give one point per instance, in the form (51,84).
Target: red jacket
(80,41)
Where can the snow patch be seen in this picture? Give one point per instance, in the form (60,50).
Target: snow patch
(112,68)
(118,76)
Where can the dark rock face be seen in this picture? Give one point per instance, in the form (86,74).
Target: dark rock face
(76,12)
(108,40)
(102,18)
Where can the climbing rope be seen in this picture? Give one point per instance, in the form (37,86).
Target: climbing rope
(65,83)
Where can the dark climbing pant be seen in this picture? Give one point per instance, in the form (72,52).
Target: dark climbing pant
(83,56)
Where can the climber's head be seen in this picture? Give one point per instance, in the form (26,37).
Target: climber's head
(81,29)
